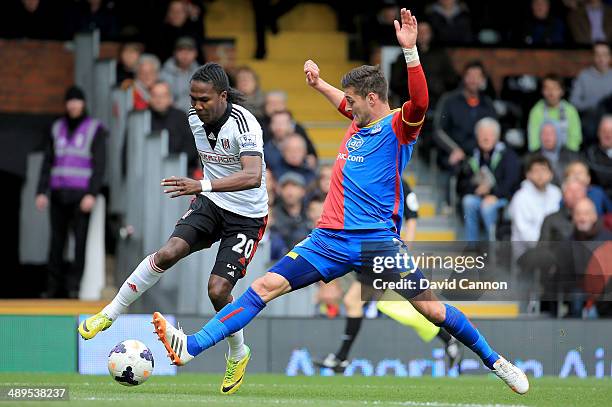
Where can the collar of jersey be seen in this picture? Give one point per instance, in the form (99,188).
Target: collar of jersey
(377,120)
(216,126)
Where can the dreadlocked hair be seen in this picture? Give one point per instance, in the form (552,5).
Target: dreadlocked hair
(214,74)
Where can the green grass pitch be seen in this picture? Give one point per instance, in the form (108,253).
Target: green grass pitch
(270,390)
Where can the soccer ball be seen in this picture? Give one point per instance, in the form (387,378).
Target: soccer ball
(130,363)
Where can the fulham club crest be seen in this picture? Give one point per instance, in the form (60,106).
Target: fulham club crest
(225,143)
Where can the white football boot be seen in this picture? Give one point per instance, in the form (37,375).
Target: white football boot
(514,377)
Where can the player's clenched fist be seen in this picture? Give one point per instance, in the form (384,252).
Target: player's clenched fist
(312,73)
(178,186)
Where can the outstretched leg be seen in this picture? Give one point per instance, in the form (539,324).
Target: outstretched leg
(237,315)
(290,273)
(144,276)
(458,325)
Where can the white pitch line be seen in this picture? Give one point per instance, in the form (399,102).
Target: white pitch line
(441,404)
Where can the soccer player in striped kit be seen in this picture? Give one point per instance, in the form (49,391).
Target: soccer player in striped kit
(230,206)
(363,207)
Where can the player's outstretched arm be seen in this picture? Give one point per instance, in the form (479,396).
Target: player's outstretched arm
(413,111)
(334,95)
(249,177)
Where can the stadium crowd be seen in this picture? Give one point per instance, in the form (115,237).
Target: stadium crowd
(532,164)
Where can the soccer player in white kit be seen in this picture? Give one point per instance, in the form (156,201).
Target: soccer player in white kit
(230,206)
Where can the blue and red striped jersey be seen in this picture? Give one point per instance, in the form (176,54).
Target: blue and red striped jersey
(366,184)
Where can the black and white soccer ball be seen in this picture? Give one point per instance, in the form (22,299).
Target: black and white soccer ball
(130,363)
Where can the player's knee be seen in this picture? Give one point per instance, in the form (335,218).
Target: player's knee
(435,313)
(219,293)
(270,286)
(171,253)
(351,303)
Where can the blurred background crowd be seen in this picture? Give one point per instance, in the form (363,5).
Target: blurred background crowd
(525,157)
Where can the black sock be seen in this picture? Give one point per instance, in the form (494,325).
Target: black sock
(444,336)
(350,333)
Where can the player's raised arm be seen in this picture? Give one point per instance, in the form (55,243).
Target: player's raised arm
(334,95)
(413,111)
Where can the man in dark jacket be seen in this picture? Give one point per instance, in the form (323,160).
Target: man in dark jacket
(165,116)
(70,179)
(576,258)
(599,157)
(457,114)
(487,180)
(558,226)
(291,221)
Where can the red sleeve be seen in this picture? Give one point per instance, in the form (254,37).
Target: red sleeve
(408,121)
(342,109)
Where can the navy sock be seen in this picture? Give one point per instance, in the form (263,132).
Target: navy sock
(457,324)
(230,319)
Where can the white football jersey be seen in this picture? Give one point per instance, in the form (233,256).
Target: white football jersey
(237,133)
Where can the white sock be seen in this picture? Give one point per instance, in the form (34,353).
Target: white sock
(142,278)
(237,350)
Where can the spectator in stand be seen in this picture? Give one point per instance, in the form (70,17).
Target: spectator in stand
(554,150)
(129,54)
(275,102)
(590,22)
(278,247)
(456,116)
(147,74)
(556,229)
(314,209)
(247,82)
(290,215)
(95,15)
(579,171)
(281,126)
(592,86)
(535,199)
(380,30)
(293,151)
(440,72)
(177,71)
(575,262)
(557,226)
(322,184)
(271,187)
(541,27)
(554,107)
(70,179)
(451,22)
(182,20)
(267,14)
(599,156)
(594,83)
(165,116)
(487,180)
